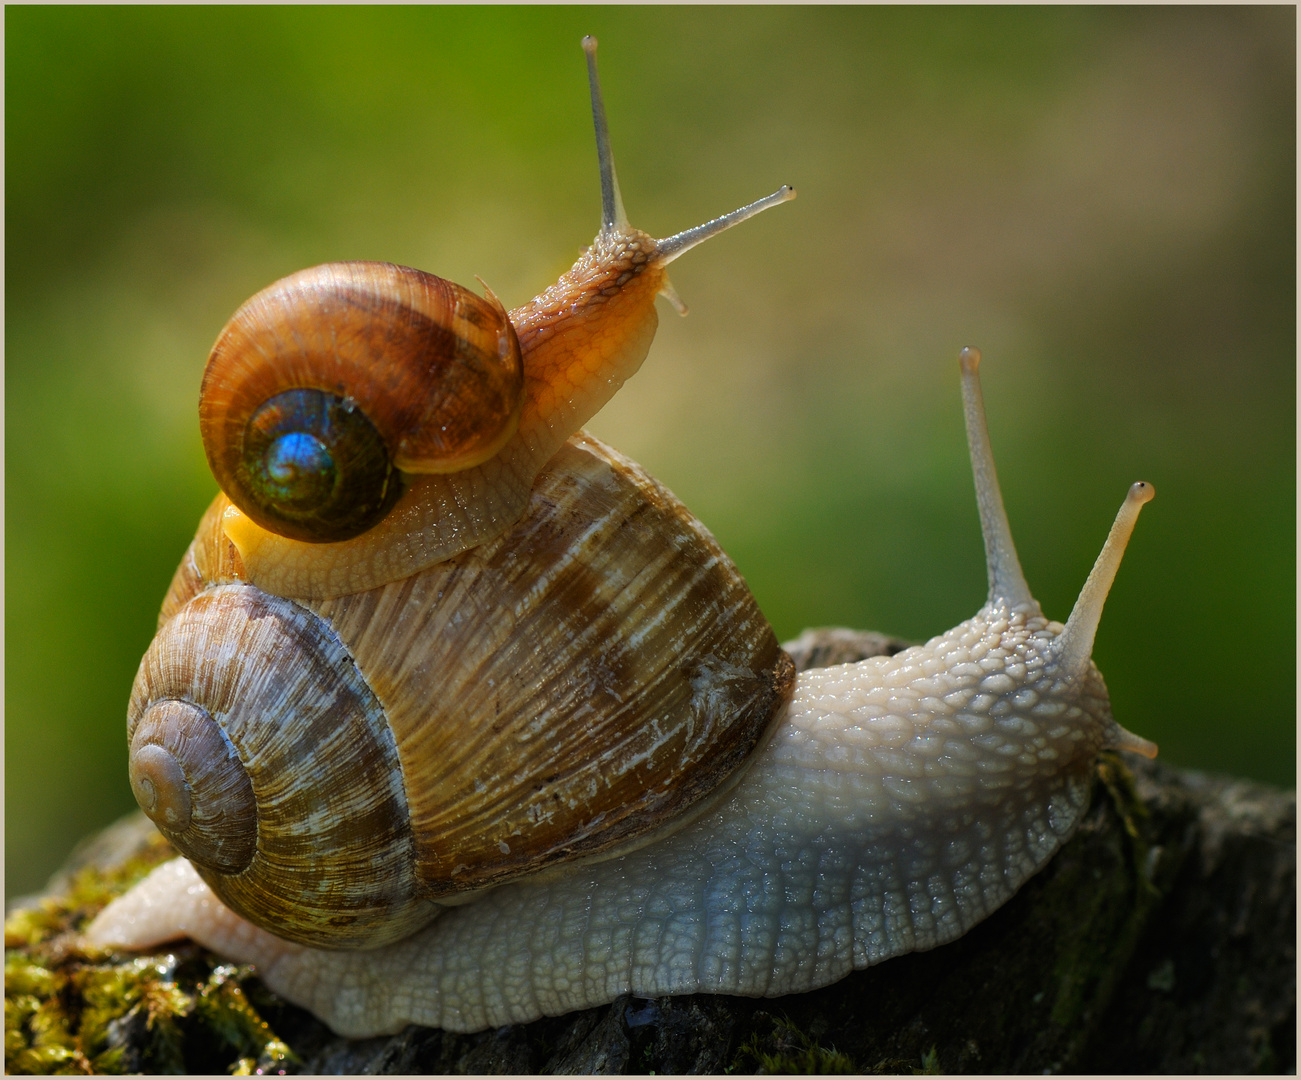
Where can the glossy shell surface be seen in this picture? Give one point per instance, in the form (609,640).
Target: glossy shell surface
(398,369)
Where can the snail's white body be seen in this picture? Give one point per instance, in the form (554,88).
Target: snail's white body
(568,743)
(898,802)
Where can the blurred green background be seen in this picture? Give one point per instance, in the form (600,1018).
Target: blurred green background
(1102,199)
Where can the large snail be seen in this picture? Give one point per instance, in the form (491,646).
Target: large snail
(477,724)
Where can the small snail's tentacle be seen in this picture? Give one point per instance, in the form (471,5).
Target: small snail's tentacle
(1076,641)
(613,216)
(671,295)
(671,247)
(1006,581)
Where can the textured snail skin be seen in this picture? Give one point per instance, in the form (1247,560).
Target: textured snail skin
(900,801)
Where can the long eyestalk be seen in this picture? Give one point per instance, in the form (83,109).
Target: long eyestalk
(671,247)
(1006,581)
(614,219)
(613,215)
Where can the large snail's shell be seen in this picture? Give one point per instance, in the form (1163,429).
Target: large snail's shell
(567,689)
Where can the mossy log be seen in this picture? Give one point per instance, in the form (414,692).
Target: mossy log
(1160,939)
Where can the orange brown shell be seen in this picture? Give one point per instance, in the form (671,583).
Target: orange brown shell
(565,690)
(434,368)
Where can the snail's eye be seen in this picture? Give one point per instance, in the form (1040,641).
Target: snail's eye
(315,468)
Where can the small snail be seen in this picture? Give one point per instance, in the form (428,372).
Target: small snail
(461,719)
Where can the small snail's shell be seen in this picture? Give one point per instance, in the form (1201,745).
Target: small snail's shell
(570,688)
(377,369)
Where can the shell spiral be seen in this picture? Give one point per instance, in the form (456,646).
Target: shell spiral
(187,777)
(275,731)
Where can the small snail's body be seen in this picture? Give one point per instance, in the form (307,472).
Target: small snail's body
(570,743)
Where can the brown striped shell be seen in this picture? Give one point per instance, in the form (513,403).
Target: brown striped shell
(565,690)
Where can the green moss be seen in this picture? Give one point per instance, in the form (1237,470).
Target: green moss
(785,1051)
(37,1039)
(226,1009)
(72,1009)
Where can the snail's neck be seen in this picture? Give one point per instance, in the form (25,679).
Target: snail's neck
(959,718)
(587,334)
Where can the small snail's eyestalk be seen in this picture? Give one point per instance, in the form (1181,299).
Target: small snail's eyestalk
(1006,581)
(588,333)
(1076,642)
(671,247)
(613,215)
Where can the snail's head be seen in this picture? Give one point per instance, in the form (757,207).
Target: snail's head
(1035,667)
